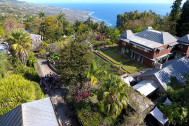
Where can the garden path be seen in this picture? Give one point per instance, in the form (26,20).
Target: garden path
(42,67)
(62,110)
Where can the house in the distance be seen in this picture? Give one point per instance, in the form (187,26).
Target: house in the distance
(4,47)
(183,47)
(151,47)
(36,40)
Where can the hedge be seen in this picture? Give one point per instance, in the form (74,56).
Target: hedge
(15,90)
(29,73)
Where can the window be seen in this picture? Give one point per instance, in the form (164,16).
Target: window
(138,59)
(181,46)
(127,51)
(131,54)
(123,50)
(142,59)
(158,51)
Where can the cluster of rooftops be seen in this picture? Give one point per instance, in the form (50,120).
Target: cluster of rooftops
(151,39)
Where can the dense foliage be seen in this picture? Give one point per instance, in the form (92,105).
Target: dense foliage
(101,103)
(88,117)
(75,60)
(136,21)
(178,111)
(175,23)
(114,95)
(15,90)
(183,22)
(29,73)
(174,16)
(5,64)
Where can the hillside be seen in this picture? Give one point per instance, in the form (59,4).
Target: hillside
(22,9)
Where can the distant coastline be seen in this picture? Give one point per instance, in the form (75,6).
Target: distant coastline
(71,15)
(108,12)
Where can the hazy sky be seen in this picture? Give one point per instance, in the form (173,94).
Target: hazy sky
(100,1)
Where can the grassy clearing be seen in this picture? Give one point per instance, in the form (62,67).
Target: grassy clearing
(129,65)
(115,55)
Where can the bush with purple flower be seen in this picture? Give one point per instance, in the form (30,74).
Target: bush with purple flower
(101,38)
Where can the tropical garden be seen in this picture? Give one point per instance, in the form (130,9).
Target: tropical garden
(96,92)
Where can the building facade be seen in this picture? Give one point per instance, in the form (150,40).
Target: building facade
(151,47)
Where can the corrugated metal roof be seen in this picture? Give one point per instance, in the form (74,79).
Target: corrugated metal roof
(39,113)
(127,34)
(157,36)
(150,38)
(176,67)
(12,118)
(145,42)
(36,113)
(145,87)
(184,38)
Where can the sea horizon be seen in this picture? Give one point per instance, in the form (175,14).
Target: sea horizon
(108,11)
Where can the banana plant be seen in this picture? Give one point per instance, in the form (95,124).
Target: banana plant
(115,96)
(93,72)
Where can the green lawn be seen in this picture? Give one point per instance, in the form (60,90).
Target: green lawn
(115,55)
(129,65)
(104,65)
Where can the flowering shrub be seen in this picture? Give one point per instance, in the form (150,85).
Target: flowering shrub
(80,95)
(101,38)
(86,94)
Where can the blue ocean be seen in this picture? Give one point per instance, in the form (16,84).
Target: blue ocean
(108,12)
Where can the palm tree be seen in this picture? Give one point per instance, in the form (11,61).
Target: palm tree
(115,96)
(93,72)
(20,43)
(60,18)
(42,15)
